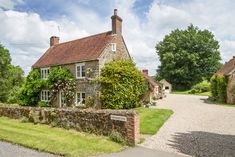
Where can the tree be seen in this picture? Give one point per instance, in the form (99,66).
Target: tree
(188,56)
(122,85)
(11,77)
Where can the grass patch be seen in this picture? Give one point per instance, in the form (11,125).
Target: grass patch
(4,104)
(151,119)
(55,140)
(187,92)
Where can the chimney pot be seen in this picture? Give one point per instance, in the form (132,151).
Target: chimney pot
(115,11)
(145,72)
(54,40)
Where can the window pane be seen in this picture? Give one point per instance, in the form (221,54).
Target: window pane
(78,71)
(83,71)
(78,97)
(83,98)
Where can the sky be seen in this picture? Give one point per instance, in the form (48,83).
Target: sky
(27,25)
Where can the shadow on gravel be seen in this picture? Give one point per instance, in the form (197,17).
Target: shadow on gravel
(207,101)
(204,144)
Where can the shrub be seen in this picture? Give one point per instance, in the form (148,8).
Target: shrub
(117,137)
(89,101)
(61,79)
(122,85)
(218,88)
(30,91)
(201,87)
(43,104)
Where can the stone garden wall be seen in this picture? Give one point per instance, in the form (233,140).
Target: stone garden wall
(125,122)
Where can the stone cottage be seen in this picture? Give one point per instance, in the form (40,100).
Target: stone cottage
(154,88)
(84,58)
(166,86)
(228,70)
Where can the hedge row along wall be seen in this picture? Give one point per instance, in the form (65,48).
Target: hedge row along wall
(102,122)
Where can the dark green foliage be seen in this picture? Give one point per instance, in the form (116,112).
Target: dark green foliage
(30,91)
(122,85)
(61,79)
(117,137)
(218,88)
(188,56)
(201,87)
(11,77)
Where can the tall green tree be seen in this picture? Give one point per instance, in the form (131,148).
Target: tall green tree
(188,56)
(11,77)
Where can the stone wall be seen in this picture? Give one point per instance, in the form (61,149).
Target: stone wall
(231,89)
(92,121)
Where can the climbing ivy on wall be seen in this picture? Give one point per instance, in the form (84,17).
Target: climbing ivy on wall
(59,79)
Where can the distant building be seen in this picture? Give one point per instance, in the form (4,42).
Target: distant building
(166,86)
(154,88)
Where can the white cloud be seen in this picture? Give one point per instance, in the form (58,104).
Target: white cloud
(9,4)
(27,34)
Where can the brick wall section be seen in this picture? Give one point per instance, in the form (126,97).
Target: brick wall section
(92,121)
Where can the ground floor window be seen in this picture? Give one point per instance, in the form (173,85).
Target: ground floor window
(80,98)
(45,95)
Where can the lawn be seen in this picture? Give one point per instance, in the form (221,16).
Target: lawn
(55,140)
(151,119)
(187,93)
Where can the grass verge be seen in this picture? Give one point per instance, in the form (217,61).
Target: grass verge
(55,140)
(4,104)
(151,119)
(209,100)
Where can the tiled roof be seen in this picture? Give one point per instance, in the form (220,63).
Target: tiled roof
(84,49)
(227,68)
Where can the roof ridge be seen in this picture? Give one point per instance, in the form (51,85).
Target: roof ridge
(82,38)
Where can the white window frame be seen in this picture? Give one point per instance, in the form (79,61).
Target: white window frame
(44,73)
(45,95)
(80,65)
(61,96)
(81,99)
(113,47)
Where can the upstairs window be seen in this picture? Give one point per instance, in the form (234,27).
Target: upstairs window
(44,73)
(113,47)
(45,95)
(80,70)
(80,98)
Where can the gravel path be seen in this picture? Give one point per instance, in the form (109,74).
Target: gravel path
(196,128)
(10,150)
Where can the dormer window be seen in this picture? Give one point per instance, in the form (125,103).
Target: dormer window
(44,73)
(113,47)
(80,70)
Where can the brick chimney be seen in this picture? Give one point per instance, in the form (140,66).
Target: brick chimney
(116,23)
(54,40)
(145,72)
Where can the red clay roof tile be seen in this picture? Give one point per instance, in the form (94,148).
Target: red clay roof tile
(227,68)
(84,49)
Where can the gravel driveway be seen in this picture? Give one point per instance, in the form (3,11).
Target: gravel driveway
(197,128)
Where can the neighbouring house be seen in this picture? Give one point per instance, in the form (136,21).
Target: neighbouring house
(154,88)
(228,70)
(84,58)
(166,86)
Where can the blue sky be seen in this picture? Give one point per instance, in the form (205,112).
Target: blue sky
(26,25)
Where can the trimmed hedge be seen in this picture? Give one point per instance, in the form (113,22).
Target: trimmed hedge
(218,88)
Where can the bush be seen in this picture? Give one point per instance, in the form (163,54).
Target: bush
(89,102)
(201,87)
(43,104)
(117,137)
(122,85)
(218,88)
(30,91)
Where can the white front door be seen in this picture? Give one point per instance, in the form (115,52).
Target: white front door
(62,99)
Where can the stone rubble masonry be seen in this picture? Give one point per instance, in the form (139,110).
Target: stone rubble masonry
(86,120)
